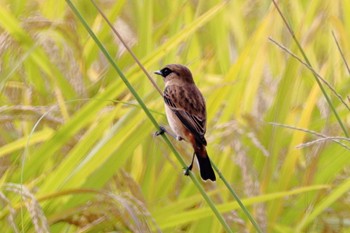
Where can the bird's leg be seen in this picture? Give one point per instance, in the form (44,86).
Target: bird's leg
(189,168)
(162,130)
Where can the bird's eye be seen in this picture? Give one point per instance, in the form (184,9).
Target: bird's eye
(166,72)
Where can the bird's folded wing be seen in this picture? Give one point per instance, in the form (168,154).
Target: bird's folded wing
(194,123)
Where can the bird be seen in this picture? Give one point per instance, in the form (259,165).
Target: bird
(186,114)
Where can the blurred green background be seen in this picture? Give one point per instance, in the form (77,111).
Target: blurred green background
(73,135)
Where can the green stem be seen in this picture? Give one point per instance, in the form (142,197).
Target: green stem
(240,203)
(149,115)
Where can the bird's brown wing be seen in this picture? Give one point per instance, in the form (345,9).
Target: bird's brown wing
(189,106)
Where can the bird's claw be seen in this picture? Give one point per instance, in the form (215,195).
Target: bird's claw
(187,170)
(160,131)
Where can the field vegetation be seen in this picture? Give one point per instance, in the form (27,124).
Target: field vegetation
(78,151)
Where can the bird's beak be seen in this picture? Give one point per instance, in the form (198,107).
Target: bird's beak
(158,72)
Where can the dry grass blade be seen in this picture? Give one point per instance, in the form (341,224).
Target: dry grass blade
(323,137)
(312,70)
(341,52)
(326,138)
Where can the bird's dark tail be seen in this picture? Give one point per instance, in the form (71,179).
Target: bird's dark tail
(205,167)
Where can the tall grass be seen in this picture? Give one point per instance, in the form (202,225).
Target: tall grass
(77,151)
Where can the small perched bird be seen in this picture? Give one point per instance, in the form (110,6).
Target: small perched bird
(186,113)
